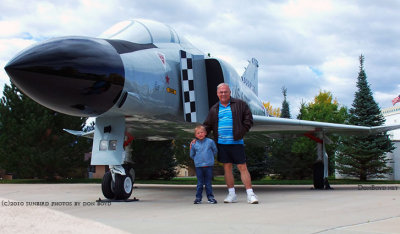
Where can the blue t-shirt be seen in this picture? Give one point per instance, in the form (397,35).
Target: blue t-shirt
(225,126)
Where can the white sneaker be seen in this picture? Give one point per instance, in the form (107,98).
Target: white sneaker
(252,199)
(230,198)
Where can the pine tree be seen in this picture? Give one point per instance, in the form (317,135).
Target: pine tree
(154,159)
(365,156)
(33,143)
(283,161)
(285,105)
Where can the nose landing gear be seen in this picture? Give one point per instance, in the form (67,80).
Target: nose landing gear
(117,184)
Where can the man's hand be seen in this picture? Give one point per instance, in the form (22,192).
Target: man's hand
(192,143)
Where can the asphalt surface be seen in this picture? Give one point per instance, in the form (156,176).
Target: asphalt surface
(72,208)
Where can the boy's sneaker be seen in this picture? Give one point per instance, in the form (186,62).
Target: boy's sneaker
(197,201)
(212,201)
(230,198)
(252,199)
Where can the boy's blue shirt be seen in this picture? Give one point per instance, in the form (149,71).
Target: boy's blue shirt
(203,152)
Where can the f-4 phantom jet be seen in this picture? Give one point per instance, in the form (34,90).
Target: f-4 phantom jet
(141,78)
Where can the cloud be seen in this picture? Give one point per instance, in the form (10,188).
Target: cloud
(304,45)
(10,47)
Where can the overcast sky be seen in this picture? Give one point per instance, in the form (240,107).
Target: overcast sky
(304,45)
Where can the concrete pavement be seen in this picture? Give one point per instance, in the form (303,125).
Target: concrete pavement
(71,208)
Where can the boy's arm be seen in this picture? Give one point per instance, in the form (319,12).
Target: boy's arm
(192,151)
(214,147)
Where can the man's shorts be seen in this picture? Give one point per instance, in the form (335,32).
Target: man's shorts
(231,153)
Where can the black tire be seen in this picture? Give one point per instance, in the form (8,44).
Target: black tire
(107,186)
(132,174)
(123,186)
(318,175)
(129,170)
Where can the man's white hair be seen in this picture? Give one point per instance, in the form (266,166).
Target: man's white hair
(223,84)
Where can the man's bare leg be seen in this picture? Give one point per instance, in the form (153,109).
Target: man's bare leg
(246,179)
(229,180)
(245,175)
(228,174)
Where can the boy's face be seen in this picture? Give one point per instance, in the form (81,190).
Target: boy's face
(200,134)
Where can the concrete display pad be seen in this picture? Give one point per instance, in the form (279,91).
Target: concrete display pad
(72,208)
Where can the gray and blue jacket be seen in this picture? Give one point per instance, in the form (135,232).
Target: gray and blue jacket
(203,152)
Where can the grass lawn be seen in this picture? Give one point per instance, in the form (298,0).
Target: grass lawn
(193,180)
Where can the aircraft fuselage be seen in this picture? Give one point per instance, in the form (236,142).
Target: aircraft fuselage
(139,76)
(132,69)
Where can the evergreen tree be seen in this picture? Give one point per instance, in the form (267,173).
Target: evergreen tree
(33,143)
(365,156)
(285,105)
(281,158)
(256,160)
(153,159)
(181,150)
(287,164)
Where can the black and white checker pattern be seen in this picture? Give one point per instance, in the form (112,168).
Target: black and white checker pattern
(189,102)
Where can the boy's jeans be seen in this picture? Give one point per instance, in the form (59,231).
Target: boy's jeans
(204,177)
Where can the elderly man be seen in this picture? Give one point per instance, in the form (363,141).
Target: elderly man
(230,119)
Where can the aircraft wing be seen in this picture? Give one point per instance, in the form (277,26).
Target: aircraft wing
(80,133)
(295,126)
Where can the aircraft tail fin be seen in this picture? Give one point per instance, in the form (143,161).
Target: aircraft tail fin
(250,75)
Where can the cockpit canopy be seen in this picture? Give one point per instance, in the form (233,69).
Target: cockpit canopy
(142,32)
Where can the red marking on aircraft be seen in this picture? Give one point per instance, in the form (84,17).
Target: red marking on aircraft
(162,58)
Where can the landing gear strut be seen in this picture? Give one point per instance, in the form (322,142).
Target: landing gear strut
(320,168)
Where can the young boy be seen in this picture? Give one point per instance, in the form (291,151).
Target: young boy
(203,152)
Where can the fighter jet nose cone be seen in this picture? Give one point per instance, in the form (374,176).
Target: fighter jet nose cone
(75,75)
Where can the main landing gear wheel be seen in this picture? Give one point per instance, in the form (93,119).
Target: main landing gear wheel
(121,187)
(318,175)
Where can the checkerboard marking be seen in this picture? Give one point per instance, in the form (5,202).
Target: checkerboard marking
(189,102)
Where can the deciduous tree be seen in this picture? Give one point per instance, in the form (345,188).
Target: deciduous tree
(271,111)
(324,108)
(294,158)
